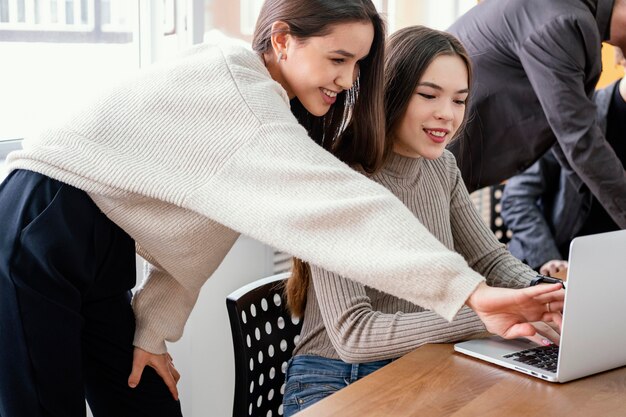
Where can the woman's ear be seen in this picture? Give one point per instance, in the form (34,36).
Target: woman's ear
(280,40)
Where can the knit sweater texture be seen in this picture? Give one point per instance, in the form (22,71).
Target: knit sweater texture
(346,320)
(192,152)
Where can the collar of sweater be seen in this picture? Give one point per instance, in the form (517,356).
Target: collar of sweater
(402,166)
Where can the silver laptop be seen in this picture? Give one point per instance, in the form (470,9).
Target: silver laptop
(593,336)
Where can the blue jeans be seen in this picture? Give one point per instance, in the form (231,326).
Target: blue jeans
(312,378)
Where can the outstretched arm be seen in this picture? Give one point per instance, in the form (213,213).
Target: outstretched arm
(361,331)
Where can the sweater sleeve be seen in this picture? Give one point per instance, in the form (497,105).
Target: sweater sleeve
(479,246)
(182,249)
(283,189)
(360,334)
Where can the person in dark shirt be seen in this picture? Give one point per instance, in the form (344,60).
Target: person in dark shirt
(537,63)
(545,209)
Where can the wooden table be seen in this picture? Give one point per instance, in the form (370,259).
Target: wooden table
(435,381)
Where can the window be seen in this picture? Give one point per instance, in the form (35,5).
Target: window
(57,53)
(250,9)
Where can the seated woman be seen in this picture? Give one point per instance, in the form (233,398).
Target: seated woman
(350,330)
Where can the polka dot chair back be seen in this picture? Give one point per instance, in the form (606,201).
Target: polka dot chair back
(496,223)
(264,336)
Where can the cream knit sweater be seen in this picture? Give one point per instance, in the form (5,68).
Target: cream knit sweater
(348,321)
(190,153)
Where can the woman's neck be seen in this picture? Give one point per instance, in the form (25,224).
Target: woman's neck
(402,151)
(622,88)
(401,166)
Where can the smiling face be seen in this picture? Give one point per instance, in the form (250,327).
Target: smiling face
(318,68)
(435,111)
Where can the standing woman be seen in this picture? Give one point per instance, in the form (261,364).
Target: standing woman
(175,164)
(350,330)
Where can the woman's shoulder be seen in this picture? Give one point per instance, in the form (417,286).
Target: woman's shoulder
(446,162)
(235,51)
(266,98)
(444,169)
(448,159)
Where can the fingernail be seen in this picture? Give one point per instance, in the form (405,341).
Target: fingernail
(546,342)
(132,385)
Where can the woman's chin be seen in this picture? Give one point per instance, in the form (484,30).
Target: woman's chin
(433,154)
(318,110)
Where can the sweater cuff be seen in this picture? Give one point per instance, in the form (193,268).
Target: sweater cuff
(464,286)
(149,341)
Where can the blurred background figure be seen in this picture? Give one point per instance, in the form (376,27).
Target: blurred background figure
(536,65)
(544,207)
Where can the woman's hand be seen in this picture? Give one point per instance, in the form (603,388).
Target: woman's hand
(509,312)
(162,364)
(554,268)
(547,333)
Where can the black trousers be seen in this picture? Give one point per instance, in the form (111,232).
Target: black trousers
(66,324)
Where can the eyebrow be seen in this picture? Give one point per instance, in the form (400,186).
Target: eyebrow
(344,53)
(436,87)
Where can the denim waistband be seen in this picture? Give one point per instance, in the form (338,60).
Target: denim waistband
(317,365)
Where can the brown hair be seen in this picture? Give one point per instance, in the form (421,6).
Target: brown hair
(409,53)
(353,129)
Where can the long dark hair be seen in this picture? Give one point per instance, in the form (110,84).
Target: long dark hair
(409,53)
(353,129)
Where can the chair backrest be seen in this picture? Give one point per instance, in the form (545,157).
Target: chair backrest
(496,223)
(264,336)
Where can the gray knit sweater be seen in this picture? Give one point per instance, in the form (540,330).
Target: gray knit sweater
(346,320)
(194,151)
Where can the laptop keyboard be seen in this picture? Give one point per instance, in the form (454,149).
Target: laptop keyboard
(544,357)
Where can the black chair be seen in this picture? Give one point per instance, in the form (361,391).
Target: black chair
(496,223)
(264,336)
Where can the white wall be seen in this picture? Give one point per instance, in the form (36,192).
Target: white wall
(438,14)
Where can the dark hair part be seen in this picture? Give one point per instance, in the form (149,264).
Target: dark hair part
(409,53)
(353,129)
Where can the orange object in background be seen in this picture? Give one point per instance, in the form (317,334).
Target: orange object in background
(611,71)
